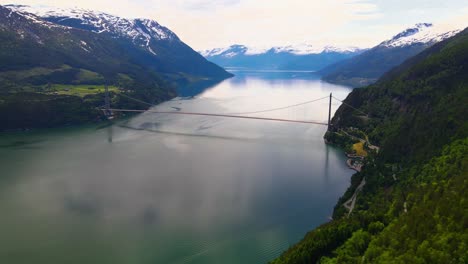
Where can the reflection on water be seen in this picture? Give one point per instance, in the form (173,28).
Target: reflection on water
(173,188)
(109,134)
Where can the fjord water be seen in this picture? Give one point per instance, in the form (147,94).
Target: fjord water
(172,188)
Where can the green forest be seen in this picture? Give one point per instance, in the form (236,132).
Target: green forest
(413,207)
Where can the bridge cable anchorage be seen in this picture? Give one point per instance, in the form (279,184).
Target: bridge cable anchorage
(351,106)
(219,115)
(276,109)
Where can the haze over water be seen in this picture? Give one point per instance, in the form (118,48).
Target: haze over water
(173,188)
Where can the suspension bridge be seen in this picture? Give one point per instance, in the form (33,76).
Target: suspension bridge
(109,111)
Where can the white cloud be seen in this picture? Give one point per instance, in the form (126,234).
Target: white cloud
(264,22)
(459,20)
(215,23)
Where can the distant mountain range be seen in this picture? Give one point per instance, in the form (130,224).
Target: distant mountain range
(367,67)
(346,65)
(294,57)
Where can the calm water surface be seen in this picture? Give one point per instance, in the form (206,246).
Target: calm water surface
(175,189)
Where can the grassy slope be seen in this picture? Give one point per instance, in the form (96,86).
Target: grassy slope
(413,208)
(80,90)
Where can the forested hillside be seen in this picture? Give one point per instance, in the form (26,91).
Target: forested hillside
(53,74)
(413,206)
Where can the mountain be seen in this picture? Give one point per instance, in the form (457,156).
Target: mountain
(53,71)
(411,192)
(145,40)
(297,57)
(367,67)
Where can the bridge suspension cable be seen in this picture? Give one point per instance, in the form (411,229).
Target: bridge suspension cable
(350,106)
(137,100)
(244,113)
(219,115)
(279,108)
(241,115)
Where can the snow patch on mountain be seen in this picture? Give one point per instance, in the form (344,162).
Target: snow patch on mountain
(256,50)
(299,49)
(425,33)
(141,31)
(31,17)
(305,49)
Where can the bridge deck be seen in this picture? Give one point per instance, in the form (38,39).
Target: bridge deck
(221,115)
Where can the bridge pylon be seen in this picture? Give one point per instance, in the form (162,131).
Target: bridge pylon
(107,110)
(329,112)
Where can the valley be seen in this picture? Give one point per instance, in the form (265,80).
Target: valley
(333,133)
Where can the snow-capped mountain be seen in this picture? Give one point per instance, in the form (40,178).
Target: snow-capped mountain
(369,66)
(306,49)
(228,52)
(148,42)
(291,57)
(425,33)
(141,31)
(300,49)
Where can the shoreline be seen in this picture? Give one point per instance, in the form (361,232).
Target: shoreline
(95,117)
(353,162)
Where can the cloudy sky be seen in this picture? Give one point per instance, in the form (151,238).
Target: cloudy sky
(207,24)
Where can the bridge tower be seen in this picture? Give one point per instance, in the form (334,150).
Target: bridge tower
(329,113)
(107,110)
